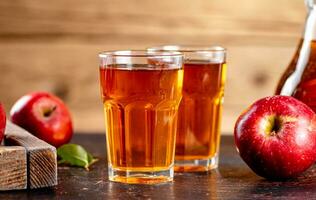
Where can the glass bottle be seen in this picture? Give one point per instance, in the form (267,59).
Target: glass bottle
(299,79)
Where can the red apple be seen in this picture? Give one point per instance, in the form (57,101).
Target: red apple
(45,116)
(276,137)
(2,122)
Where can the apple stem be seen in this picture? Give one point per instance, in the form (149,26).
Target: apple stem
(276,125)
(273,125)
(48,112)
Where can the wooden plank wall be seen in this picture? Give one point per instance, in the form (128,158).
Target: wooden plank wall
(53,45)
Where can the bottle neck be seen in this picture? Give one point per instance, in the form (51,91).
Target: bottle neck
(310,4)
(305,50)
(310,24)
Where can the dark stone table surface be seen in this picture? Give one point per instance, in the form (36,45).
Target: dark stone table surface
(232,180)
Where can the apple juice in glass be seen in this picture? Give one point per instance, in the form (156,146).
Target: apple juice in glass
(141,93)
(200,111)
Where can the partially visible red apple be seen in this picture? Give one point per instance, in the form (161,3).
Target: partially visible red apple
(2,122)
(305,92)
(276,137)
(45,116)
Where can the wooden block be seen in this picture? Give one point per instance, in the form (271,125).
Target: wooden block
(13,172)
(41,156)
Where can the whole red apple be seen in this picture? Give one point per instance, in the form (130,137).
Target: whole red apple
(45,116)
(276,137)
(2,122)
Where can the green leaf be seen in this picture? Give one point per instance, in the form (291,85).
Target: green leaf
(75,155)
(91,160)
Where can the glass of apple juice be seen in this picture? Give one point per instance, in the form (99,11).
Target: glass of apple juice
(141,93)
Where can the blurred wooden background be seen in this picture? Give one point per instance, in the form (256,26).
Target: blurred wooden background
(53,45)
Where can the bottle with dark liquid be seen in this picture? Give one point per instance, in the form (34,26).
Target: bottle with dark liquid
(299,79)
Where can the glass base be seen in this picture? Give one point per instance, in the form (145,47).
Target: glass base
(140,177)
(196,165)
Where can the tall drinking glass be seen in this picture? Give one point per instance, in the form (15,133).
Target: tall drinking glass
(200,111)
(141,92)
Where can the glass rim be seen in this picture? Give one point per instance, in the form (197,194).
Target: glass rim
(189,48)
(140,53)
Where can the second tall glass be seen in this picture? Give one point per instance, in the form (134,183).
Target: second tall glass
(199,121)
